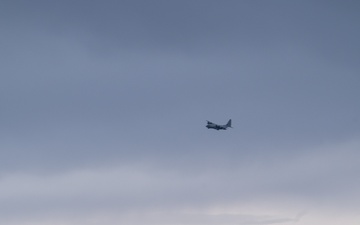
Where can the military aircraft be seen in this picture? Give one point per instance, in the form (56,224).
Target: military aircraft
(211,125)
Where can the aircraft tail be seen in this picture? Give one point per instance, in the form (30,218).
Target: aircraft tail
(228,123)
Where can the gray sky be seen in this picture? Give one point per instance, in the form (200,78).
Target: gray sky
(104,105)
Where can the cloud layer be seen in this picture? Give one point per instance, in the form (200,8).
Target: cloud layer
(104,103)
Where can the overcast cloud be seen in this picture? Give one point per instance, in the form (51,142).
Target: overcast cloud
(104,105)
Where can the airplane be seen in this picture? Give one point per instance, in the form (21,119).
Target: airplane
(211,125)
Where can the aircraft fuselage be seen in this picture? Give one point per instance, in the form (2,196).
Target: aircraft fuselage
(211,125)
